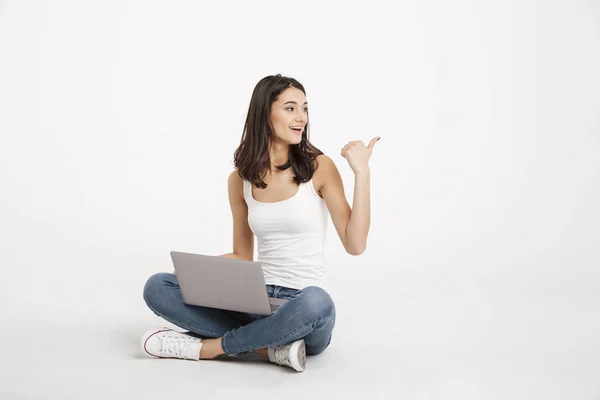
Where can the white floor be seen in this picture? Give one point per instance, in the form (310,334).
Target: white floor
(425,341)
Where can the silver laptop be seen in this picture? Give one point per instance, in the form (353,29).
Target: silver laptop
(224,283)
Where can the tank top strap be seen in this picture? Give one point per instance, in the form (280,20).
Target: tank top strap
(247,191)
(310,189)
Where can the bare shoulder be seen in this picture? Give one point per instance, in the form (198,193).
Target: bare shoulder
(235,185)
(325,168)
(235,178)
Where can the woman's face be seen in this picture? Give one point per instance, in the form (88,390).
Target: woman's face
(288,112)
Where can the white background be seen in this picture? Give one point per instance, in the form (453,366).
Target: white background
(118,123)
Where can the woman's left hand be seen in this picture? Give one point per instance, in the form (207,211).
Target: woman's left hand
(358,154)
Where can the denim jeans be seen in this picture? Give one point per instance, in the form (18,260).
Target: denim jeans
(308,313)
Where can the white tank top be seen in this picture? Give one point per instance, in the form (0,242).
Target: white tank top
(290,236)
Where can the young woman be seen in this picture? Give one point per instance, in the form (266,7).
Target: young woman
(281,191)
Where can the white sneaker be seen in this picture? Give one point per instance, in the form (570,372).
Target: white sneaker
(291,355)
(168,343)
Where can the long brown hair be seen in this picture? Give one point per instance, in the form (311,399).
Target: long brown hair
(251,158)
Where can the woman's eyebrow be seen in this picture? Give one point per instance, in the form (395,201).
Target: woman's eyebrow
(306,102)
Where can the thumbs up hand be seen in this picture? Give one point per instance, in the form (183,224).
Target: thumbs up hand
(358,154)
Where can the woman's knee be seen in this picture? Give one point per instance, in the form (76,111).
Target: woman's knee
(155,284)
(318,301)
(317,341)
(314,350)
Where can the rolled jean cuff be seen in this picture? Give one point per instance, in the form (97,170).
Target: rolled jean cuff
(226,350)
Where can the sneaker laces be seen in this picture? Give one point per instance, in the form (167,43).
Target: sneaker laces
(173,344)
(281,355)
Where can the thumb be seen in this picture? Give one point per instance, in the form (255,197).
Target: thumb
(372,142)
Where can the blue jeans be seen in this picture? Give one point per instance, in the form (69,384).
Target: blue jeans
(308,313)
